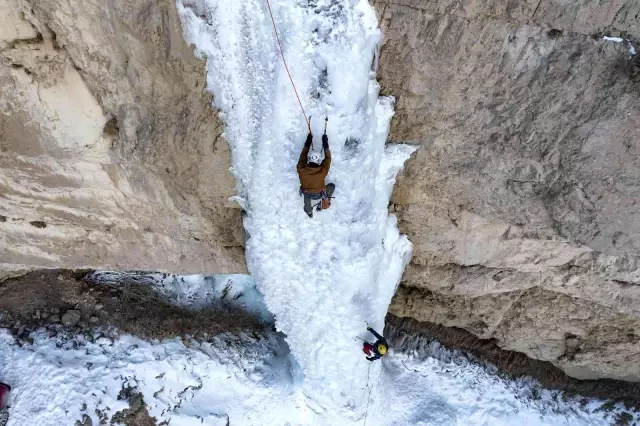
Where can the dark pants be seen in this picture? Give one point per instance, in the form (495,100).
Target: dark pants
(309,198)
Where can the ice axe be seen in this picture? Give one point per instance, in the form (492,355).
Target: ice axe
(326,121)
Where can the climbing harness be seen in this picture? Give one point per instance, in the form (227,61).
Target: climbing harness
(324,201)
(275,29)
(323,204)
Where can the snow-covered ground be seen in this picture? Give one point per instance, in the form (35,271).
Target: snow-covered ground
(248,381)
(324,277)
(430,385)
(55,381)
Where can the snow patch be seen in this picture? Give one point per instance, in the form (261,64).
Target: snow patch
(614,39)
(632,49)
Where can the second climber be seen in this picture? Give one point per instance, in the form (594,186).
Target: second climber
(312,171)
(376,350)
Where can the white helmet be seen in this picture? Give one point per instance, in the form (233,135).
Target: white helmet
(314,157)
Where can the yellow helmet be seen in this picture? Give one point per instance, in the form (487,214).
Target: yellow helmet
(382,349)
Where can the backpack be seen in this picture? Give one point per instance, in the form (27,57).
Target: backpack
(4,394)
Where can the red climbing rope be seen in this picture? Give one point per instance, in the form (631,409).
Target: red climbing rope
(275,29)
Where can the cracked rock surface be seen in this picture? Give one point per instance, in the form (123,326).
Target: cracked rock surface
(110,155)
(523,201)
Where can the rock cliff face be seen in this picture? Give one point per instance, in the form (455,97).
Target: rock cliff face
(110,155)
(523,201)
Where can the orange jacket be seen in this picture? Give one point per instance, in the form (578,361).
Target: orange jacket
(312,178)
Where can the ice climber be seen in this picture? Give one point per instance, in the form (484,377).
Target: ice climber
(4,399)
(312,171)
(376,350)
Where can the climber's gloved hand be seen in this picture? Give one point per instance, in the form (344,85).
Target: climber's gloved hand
(309,139)
(325,142)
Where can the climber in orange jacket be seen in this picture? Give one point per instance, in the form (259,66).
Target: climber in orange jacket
(312,172)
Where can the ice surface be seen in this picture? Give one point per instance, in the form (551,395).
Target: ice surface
(321,277)
(246,381)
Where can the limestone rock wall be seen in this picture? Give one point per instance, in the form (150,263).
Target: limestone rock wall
(523,201)
(110,155)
